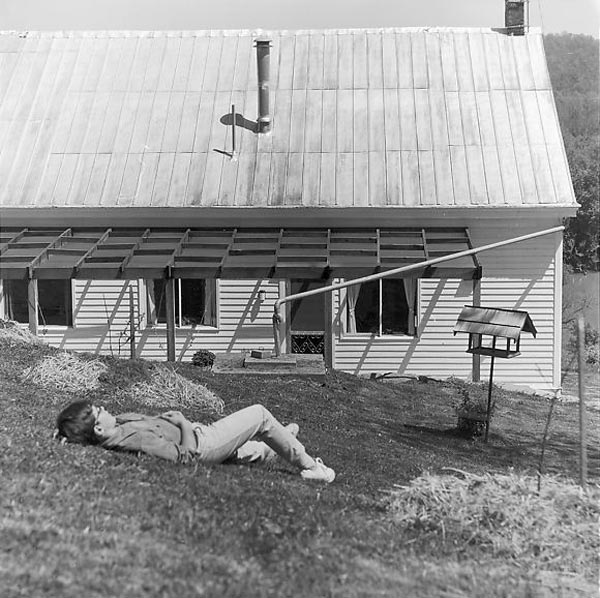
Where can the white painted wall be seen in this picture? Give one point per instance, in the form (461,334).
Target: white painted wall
(521,276)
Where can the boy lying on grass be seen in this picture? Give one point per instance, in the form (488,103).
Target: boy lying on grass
(249,435)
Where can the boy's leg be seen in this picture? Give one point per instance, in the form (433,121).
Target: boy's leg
(220,441)
(255,451)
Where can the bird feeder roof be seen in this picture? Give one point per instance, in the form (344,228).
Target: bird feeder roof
(507,323)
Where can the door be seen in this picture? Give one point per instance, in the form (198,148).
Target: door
(307,318)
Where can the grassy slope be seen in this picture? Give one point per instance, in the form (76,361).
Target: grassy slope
(84,521)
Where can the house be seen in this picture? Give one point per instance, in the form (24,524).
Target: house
(164,180)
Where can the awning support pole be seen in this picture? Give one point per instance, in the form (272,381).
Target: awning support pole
(32,305)
(277,321)
(170,309)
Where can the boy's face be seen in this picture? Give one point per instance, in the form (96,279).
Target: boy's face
(105,422)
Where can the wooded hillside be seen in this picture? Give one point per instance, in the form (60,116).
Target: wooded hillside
(573,62)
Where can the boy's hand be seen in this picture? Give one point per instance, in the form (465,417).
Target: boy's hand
(175,417)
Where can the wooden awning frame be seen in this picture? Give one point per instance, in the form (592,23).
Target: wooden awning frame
(229,253)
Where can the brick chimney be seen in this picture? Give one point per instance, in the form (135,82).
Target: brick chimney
(516,18)
(263,56)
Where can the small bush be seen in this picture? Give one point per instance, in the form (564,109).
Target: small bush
(471,408)
(591,344)
(203,358)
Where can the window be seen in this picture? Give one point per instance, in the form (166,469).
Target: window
(54,302)
(382,307)
(195,302)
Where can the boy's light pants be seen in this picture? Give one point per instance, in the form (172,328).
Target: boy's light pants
(251,434)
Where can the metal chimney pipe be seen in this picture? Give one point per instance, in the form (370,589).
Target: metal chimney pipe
(263,54)
(515,17)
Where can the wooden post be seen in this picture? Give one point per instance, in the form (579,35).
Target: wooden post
(170,309)
(32,305)
(476,361)
(277,321)
(489,401)
(329,353)
(582,418)
(131,324)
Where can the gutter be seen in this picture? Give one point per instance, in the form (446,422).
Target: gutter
(278,334)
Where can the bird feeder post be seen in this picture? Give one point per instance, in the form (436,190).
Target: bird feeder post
(479,321)
(488,412)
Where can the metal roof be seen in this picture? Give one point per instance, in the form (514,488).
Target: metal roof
(366,117)
(507,323)
(94,253)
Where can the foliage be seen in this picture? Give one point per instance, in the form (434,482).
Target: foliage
(591,343)
(573,63)
(203,358)
(471,409)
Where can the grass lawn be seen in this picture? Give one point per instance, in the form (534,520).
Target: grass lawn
(83,521)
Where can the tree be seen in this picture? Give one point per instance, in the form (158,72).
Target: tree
(573,63)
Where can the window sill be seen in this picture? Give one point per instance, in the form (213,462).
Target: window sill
(372,336)
(196,328)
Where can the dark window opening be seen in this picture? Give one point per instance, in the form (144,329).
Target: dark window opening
(194,302)
(54,302)
(381,307)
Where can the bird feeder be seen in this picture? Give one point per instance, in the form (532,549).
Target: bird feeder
(493,332)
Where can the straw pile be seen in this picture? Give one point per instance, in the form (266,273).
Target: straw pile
(167,388)
(505,517)
(65,371)
(13,331)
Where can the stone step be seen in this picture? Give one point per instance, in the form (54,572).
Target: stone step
(275,364)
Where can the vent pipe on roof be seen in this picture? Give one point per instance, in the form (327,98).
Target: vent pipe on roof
(263,54)
(516,17)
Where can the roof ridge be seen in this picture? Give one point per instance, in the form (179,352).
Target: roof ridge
(98,33)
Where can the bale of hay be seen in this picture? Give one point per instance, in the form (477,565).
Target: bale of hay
(168,388)
(13,331)
(505,517)
(65,371)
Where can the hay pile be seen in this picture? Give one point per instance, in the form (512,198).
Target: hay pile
(65,371)
(167,388)
(13,331)
(504,517)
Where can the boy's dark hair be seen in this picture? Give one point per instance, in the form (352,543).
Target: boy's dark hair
(76,422)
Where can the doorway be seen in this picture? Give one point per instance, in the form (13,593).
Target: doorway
(307,318)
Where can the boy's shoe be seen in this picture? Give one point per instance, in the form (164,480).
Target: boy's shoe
(320,472)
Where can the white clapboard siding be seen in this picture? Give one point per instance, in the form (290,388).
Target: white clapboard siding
(244,322)
(520,276)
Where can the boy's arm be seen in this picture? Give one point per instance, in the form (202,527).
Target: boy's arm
(151,444)
(188,437)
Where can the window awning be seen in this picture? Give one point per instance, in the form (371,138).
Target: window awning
(234,253)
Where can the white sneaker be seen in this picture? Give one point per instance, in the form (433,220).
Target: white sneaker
(320,472)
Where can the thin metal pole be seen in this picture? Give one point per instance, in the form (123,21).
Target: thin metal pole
(488,412)
(417,266)
(582,414)
(233,130)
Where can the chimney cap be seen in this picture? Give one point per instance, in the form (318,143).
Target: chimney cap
(262,41)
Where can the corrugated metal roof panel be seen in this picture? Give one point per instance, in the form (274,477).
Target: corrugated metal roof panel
(378,117)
